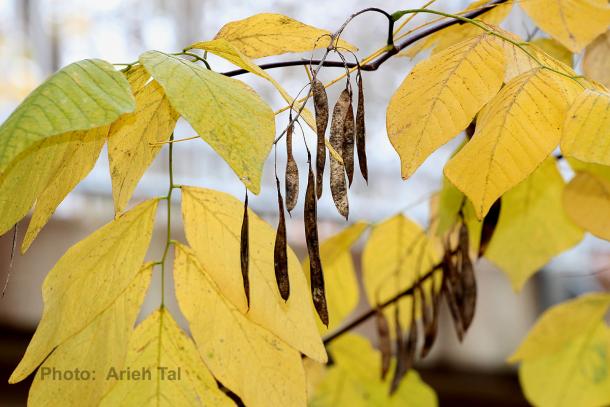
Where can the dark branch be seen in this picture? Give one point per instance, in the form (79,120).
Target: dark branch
(371,312)
(375,64)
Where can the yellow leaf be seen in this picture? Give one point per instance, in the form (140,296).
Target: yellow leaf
(441,96)
(33,170)
(339,274)
(81,96)
(137,76)
(565,357)
(574,23)
(576,376)
(251,361)
(87,280)
(269,34)
(212,223)
(515,132)
(77,160)
(172,372)
(354,381)
(587,201)
(131,147)
(586,127)
(396,253)
(228,51)
(554,49)
(533,227)
(596,64)
(225,112)
(94,351)
(561,324)
(456,33)
(601,171)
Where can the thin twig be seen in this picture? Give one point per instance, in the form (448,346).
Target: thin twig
(370,313)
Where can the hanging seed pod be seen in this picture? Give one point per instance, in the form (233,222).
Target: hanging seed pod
(280,252)
(431,328)
(320,103)
(244,250)
(401,351)
(348,144)
(426,308)
(385,344)
(316,274)
(489,226)
(411,344)
(360,130)
(292,173)
(338,186)
(468,301)
(449,292)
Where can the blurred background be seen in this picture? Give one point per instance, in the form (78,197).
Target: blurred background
(37,37)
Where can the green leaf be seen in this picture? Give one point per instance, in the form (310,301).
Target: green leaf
(176,373)
(87,280)
(225,112)
(81,96)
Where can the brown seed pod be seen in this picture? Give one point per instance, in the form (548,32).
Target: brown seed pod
(411,344)
(449,292)
(431,328)
(468,300)
(360,131)
(401,351)
(320,102)
(348,144)
(489,226)
(280,252)
(244,251)
(385,344)
(292,173)
(338,186)
(316,275)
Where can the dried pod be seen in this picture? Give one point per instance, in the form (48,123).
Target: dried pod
(489,226)
(320,102)
(468,300)
(316,274)
(411,344)
(280,252)
(338,186)
(401,351)
(348,144)
(385,344)
(244,250)
(360,131)
(449,292)
(292,173)
(431,327)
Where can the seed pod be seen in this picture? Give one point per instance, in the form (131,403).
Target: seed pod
(292,173)
(468,300)
(401,351)
(360,131)
(348,144)
(244,250)
(431,328)
(280,252)
(316,275)
(411,344)
(448,291)
(337,141)
(385,345)
(489,226)
(320,102)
